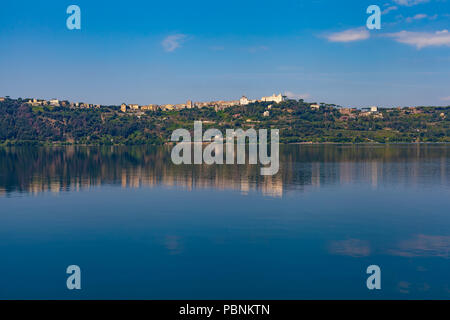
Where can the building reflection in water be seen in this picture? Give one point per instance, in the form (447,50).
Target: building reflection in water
(302,167)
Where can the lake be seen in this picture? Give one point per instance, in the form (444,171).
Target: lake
(141,227)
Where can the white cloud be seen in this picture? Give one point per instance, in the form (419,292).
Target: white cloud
(410,3)
(349,35)
(422,39)
(292,95)
(173,42)
(446,98)
(421,16)
(389,9)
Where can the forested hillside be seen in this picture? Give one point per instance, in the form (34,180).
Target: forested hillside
(297,121)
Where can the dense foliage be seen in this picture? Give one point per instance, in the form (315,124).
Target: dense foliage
(21,123)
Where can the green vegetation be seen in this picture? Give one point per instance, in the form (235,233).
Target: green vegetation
(296,120)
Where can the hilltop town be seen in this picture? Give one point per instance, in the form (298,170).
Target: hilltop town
(217,105)
(37,121)
(138,110)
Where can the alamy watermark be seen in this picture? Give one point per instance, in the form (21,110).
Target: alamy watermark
(214,152)
(74,20)
(374,280)
(374,20)
(74,280)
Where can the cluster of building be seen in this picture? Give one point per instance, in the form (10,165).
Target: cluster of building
(351,113)
(346,113)
(217,105)
(57,103)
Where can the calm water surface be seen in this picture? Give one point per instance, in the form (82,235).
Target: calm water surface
(142,228)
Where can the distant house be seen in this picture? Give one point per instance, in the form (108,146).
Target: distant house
(168,107)
(274,98)
(54,102)
(150,107)
(315,106)
(245,101)
(266,113)
(346,111)
(123,107)
(36,102)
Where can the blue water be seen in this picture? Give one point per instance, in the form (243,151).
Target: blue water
(142,228)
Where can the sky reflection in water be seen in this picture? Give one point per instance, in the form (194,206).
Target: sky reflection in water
(141,227)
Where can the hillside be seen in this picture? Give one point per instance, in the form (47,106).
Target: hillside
(297,121)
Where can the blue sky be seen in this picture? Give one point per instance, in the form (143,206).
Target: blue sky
(168,52)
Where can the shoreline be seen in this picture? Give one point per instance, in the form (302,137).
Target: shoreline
(41,144)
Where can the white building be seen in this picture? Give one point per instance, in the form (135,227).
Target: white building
(54,102)
(274,98)
(244,101)
(370,109)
